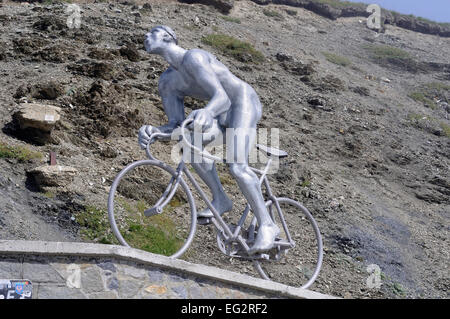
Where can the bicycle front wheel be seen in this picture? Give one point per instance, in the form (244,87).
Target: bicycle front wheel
(139,187)
(297,266)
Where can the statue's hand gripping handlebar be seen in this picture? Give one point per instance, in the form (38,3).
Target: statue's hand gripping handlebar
(186,141)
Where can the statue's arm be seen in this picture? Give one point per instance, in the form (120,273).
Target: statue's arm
(198,65)
(172,102)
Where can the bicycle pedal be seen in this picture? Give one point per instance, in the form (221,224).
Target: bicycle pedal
(153,211)
(265,256)
(203,220)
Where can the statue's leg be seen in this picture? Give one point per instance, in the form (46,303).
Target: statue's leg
(243,125)
(206,169)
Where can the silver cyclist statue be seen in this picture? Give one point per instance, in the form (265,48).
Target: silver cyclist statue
(232,104)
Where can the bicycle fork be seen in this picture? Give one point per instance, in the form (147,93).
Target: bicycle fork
(168,194)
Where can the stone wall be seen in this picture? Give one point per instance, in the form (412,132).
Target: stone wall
(80,278)
(82,270)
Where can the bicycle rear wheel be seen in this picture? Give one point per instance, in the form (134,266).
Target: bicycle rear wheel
(300,265)
(136,189)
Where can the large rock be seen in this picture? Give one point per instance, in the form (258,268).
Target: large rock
(53,175)
(223,6)
(37,116)
(324,9)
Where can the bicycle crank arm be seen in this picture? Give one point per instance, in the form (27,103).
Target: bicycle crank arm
(253,257)
(155,210)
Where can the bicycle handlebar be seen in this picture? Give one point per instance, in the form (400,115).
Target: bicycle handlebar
(194,148)
(185,141)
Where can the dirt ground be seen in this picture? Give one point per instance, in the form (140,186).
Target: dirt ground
(369,162)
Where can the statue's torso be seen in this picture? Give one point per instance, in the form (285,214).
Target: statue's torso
(186,85)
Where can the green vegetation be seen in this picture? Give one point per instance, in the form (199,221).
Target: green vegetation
(272,14)
(386,56)
(429,124)
(21,153)
(446,129)
(444,24)
(306,183)
(439,86)
(416,117)
(383,52)
(338,4)
(157,234)
(398,289)
(95,225)
(291,12)
(337,59)
(420,97)
(426,94)
(231,19)
(240,50)
(49,194)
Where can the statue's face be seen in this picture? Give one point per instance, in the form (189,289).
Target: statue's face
(154,41)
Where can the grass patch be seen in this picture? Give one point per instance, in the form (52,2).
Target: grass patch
(231,19)
(444,24)
(386,55)
(272,14)
(382,52)
(437,86)
(416,117)
(398,289)
(21,153)
(157,234)
(336,59)
(339,4)
(421,98)
(429,124)
(95,225)
(306,183)
(446,129)
(49,194)
(240,50)
(428,93)
(291,12)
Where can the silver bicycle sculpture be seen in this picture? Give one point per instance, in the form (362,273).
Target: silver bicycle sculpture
(232,240)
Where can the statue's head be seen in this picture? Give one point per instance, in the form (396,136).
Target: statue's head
(159,38)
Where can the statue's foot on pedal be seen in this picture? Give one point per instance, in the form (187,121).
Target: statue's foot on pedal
(265,238)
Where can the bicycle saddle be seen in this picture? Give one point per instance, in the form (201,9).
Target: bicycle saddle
(271,151)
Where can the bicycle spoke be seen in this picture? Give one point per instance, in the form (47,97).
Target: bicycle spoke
(296,265)
(146,186)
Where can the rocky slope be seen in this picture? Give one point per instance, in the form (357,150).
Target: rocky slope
(334,9)
(363,116)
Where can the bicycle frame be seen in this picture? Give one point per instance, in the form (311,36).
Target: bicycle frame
(228,235)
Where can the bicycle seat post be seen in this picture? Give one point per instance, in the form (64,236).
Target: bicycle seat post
(266,169)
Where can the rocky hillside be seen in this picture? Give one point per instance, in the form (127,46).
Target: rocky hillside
(363,115)
(334,9)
